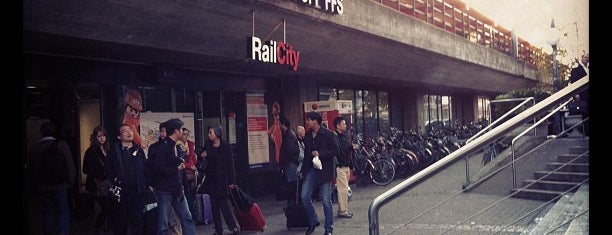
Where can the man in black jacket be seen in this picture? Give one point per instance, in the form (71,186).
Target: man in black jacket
(582,99)
(343,169)
(318,170)
(167,171)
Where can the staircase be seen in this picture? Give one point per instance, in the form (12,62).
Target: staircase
(561,176)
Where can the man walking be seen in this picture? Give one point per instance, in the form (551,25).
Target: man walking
(318,170)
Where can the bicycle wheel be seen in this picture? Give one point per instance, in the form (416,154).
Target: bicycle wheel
(383,172)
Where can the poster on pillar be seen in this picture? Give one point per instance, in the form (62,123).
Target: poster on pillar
(149,126)
(257,129)
(329,110)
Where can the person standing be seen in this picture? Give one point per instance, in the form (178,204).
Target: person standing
(93,167)
(318,170)
(53,196)
(124,166)
(190,169)
(300,132)
(290,151)
(343,170)
(576,74)
(167,171)
(220,176)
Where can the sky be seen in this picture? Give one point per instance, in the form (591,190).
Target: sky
(530,20)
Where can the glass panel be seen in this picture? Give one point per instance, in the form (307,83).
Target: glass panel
(370,113)
(156,99)
(359,113)
(185,100)
(326,93)
(383,110)
(346,94)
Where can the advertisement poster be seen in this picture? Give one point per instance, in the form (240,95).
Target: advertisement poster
(149,126)
(257,129)
(329,110)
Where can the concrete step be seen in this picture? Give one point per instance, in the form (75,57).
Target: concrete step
(571,167)
(578,149)
(559,186)
(561,176)
(569,157)
(535,194)
(568,216)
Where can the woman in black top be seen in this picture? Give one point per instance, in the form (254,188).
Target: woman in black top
(93,167)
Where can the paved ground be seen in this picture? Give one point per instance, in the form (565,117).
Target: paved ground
(483,211)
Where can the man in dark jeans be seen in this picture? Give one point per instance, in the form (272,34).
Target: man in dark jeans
(167,169)
(318,171)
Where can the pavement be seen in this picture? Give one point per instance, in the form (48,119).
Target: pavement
(435,206)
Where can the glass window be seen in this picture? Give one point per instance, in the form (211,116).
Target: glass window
(483,109)
(370,108)
(156,99)
(370,112)
(359,120)
(383,111)
(326,93)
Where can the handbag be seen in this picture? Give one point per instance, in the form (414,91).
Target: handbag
(190,175)
(102,188)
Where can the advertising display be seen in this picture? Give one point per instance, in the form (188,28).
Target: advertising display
(329,110)
(149,125)
(257,128)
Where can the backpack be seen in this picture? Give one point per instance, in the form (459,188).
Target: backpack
(53,169)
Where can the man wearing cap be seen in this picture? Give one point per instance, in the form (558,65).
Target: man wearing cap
(318,170)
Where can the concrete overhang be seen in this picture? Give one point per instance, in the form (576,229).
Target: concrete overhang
(368,44)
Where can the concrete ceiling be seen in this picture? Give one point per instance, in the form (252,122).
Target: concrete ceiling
(212,36)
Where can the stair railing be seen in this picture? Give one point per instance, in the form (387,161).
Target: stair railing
(536,124)
(501,130)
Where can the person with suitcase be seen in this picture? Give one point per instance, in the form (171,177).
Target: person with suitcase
(219,178)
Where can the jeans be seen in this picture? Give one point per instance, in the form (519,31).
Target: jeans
(291,172)
(310,182)
(165,202)
(55,202)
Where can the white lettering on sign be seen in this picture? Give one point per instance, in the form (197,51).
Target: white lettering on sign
(331,6)
(274,52)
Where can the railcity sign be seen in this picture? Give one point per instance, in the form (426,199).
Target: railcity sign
(273,52)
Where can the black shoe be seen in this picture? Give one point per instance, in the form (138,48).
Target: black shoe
(311,228)
(345,215)
(235,231)
(327,233)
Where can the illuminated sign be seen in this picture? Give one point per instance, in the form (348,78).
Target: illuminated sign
(273,52)
(330,6)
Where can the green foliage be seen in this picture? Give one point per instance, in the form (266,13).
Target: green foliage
(500,108)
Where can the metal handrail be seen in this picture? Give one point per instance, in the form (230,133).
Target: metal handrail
(495,133)
(479,133)
(545,118)
(500,119)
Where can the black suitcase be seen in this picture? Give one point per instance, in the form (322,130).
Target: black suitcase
(296,213)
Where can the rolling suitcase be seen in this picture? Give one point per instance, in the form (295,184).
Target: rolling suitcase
(295,212)
(251,220)
(247,211)
(203,210)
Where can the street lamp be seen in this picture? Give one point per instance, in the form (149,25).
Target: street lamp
(553,41)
